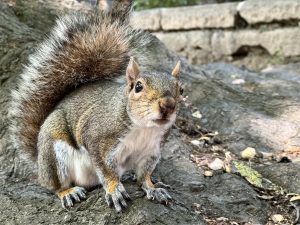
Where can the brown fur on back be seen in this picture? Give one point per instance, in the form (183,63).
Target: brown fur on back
(80,49)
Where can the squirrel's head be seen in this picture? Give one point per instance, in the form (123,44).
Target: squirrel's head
(153,97)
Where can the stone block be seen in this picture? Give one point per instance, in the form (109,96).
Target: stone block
(195,17)
(257,11)
(179,41)
(280,41)
(147,20)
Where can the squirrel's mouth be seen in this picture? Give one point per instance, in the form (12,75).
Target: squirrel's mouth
(161,121)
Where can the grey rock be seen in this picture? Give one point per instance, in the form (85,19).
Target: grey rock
(203,16)
(35,205)
(194,45)
(185,40)
(272,31)
(285,175)
(205,46)
(280,41)
(257,11)
(261,113)
(147,20)
(293,69)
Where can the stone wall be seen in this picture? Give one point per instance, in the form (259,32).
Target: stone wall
(254,32)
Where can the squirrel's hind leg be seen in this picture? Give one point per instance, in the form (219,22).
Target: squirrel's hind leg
(73,167)
(57,169)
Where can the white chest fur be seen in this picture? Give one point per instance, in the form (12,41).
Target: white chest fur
(138,145)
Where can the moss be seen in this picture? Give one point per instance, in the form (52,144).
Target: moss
(251,175)
(278,58)
(256,179)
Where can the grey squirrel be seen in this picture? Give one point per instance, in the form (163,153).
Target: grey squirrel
(81,126)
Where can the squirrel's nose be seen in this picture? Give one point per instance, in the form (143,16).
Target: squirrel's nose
(166,106)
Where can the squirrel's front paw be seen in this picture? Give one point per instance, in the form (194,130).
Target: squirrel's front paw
(68,196)
(117,197)
(158,194)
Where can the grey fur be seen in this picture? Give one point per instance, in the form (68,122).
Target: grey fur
(93,133)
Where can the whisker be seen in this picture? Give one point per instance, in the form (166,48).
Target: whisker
(140,111)
(147,99)
(141,106)
(140,100)
(145,116)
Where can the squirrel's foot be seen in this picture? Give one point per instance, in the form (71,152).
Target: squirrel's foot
(160,184)
(158,194)
(69,196)
(117,197)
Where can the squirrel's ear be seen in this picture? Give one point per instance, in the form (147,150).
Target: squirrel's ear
(176,70)
(132,73)
(133,70)
(104,5)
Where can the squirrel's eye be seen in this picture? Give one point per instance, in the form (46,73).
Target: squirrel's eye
(138,87)
(181,91)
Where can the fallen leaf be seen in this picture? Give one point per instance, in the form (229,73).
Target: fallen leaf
(265,197)
(227,162)
(197,114)
(200,161)
(294,201)
(196,142)
(223,219)
(295,198)
(205,138)
(254,177)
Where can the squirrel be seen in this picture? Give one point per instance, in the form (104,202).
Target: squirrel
(79,123)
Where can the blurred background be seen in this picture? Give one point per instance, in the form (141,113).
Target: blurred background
(252,34)
(148,4)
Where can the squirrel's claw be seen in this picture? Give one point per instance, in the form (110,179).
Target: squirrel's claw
(162,185)
(124,192)
(68,196)
(66,202)
(158,194)
(116,198)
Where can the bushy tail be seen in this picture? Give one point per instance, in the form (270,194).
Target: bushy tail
(80,49)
